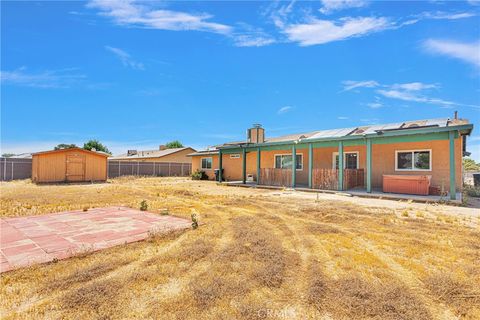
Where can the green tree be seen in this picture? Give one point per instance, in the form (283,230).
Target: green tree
(95,144)
(174,144)
(65,146)
(470,165)
(8,155)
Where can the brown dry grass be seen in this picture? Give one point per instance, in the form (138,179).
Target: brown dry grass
(256,256)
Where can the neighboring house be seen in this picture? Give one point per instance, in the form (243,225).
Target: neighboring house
(178,155)
(342,159)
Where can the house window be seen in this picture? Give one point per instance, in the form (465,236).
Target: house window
(235,156)
(416,160)
(206,163)
(350,160)
(284,161)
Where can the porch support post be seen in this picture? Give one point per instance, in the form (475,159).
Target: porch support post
(244,165)
(340,165)
(220,156)
(310,165)
(258,166)
(369,165)
(453,193)
(294,165)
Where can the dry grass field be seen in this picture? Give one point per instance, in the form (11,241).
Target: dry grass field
(257,255)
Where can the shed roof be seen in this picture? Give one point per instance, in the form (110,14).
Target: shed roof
(98,153)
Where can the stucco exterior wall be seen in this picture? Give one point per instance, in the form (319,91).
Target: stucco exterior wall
(383,162)
(197,164)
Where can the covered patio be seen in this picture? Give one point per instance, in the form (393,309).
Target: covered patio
(322,172)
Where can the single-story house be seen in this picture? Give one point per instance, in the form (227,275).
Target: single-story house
(404,157)
(177,155)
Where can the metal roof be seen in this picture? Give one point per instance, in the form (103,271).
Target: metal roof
(354,132)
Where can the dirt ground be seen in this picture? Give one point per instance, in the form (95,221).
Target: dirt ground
(258,254)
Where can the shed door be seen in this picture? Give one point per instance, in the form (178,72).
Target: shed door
(75,167)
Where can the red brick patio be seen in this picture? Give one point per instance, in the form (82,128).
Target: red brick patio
(37,239)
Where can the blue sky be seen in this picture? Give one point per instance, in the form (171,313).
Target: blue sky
(139,74)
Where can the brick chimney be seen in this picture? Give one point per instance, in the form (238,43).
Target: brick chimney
(162,147)
(256,134)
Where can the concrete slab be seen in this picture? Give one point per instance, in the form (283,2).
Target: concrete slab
(38,239)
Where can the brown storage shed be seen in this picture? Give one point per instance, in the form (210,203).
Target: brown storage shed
(69,165)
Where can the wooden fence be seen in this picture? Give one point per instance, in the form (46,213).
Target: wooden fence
(353,178)
(327,179)
(276,177)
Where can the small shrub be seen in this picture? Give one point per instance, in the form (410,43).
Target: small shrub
(472,191)
(405,213)
(199,175)
(144,205)
(194,221)
(85,209)
(164,212)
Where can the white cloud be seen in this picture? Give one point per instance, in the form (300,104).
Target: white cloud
(441,15)
(317,31)
(466,51)
(411,91)
(250,36)
(145,15)
(125,58)
(350,84)
(328,6)
(306,29)
(285,109)
(410,96)
(370,120)
(63,78)
(252,41)
(374,105)
(414,86)
(343,118)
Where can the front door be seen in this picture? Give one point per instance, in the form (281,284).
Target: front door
(75,167)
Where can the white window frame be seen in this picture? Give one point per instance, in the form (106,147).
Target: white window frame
(201,163)
(413,158)
(335,154)
(287,154)
(235,156)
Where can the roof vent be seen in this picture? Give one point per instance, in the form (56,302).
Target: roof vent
(413,125)
(131,152)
